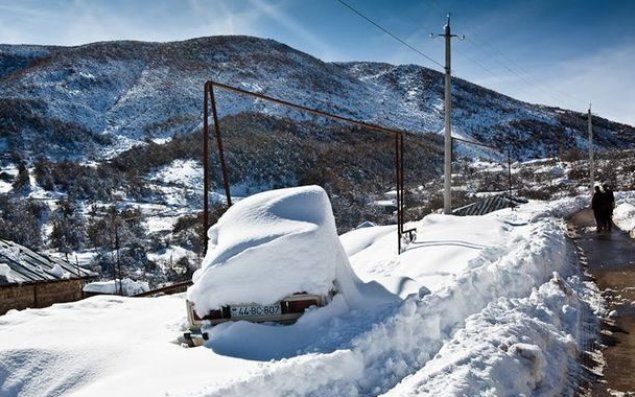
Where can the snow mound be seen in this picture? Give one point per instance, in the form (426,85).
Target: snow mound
(58,272)
(5,273)
(181,172)
(624,217)
(129,287)
(274,244)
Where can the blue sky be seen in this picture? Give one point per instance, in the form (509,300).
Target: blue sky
(564,53)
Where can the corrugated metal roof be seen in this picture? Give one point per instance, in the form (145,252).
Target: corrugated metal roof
(28,266)
(489,204)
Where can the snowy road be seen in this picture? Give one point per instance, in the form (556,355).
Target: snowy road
(611,260)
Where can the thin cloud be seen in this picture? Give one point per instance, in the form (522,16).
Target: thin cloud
(600,78)
(81,22)
(311,42)
(605,78)
(219,18)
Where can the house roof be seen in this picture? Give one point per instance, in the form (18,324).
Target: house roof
(19,264)
(489,204)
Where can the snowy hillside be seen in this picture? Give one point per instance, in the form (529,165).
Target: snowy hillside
(118,94)
(491,305)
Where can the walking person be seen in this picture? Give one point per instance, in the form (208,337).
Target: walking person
(609,202)
(597,205)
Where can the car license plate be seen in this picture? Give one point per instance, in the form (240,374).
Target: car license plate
(241,311)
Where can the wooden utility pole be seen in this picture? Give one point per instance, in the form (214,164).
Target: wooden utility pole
(447,169)
(591,176)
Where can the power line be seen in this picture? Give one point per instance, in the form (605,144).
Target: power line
(404,42)
(553,94)
(400,40)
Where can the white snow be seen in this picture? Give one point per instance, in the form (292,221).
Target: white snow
(170,255)
(385,203)
(112,287)
(624,213)
(5,272)
(58,272)
(13,253)
(181,172)
(491,305)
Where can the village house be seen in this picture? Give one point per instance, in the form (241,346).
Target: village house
(30,279)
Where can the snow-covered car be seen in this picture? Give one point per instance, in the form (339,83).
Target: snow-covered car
(270,257)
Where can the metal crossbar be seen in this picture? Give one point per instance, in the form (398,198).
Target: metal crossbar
(209,98)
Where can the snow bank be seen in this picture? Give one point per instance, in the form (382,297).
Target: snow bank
(13,253)
(526,346)
(274,244)
(112,287)
(181,172)
(58,272)
(5,273)
(624,218)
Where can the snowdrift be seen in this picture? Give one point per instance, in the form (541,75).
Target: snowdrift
(274,244)
(113,287)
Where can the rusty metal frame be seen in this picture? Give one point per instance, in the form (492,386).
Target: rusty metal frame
(210,98)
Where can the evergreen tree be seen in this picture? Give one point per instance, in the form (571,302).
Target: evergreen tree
(42,169)
(68,232)
(21,221)
(120,239)
(22,183)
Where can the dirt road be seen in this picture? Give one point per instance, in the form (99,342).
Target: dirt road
(611,261)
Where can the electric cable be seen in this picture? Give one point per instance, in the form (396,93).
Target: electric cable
(394,36)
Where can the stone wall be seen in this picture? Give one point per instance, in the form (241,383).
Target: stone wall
(39,294)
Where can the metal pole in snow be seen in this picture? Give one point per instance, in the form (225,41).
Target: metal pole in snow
(219,142)
(447,173)
(591,176)
(509,174)
(205,167)
(447,169)
(398,189)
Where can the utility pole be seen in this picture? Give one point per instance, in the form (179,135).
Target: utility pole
(509,173)
(447,169)
(206,173)
(591,176)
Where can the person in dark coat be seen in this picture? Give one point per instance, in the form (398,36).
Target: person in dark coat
(609,203)
(597,205)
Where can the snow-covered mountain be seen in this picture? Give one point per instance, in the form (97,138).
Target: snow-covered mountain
(96,100)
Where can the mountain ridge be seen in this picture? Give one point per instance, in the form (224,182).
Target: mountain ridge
(123,93)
